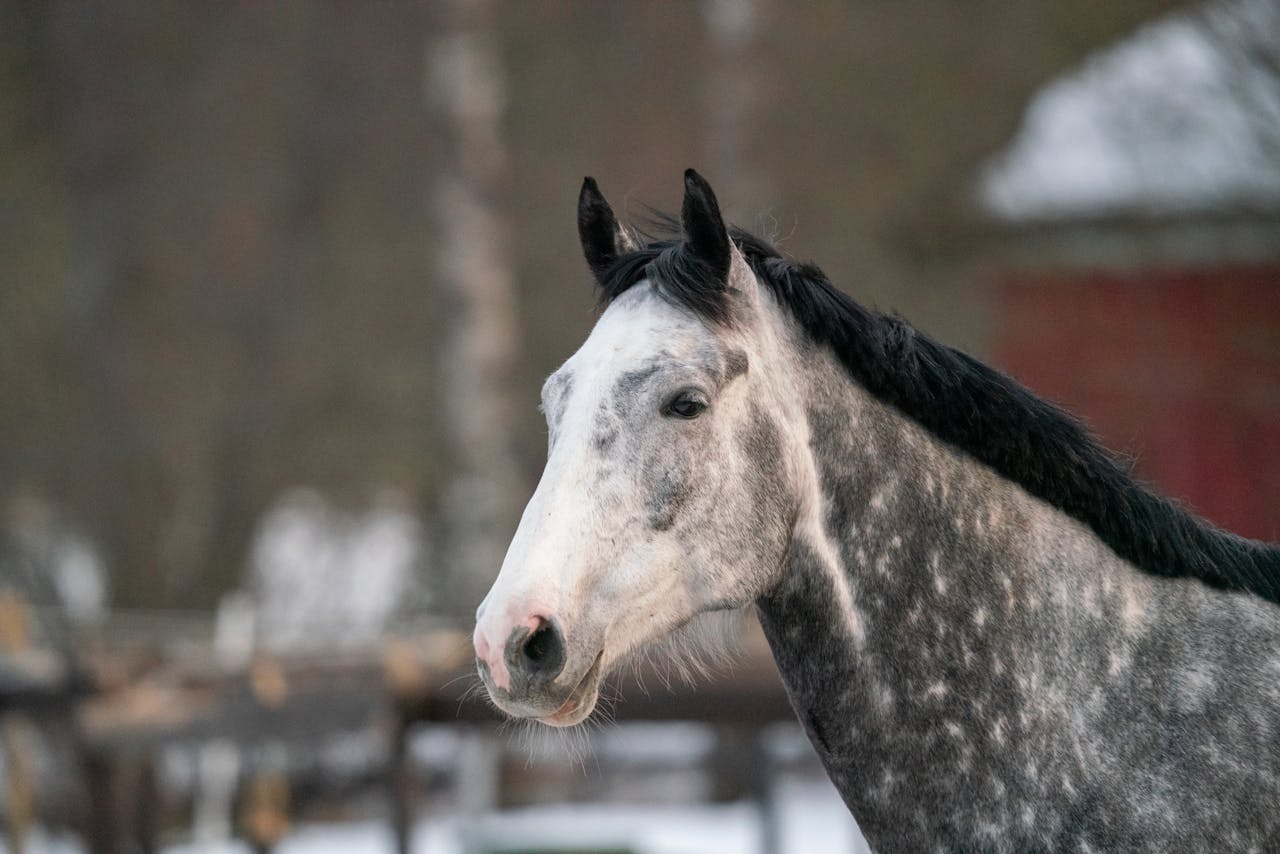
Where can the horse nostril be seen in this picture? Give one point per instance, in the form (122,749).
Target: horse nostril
(543,651)
(539,645)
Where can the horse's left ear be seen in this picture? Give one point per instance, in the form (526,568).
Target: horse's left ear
(603,239)
(704,229)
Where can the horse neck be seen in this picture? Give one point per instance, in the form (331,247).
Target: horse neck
(978,670)
(920,587)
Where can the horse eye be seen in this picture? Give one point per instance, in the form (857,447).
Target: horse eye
(686,404)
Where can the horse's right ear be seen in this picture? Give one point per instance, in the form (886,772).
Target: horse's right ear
(602,237)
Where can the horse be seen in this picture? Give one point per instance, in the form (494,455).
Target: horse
(994,635)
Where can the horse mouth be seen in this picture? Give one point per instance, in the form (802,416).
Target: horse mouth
(582,699)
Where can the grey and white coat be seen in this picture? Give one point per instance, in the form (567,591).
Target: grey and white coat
(994,637)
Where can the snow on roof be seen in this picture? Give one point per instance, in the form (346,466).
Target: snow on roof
(1184,116)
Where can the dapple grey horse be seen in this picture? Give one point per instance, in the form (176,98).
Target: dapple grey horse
(995,637)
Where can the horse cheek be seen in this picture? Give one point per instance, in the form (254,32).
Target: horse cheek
(668,496)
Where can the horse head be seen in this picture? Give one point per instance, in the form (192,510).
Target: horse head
(670,483)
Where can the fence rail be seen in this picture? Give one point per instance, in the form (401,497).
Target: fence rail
(127,704)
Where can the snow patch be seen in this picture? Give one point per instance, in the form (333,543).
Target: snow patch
(324,576)
(1180,117)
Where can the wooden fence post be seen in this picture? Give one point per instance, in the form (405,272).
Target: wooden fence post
(398,781)
(101,831)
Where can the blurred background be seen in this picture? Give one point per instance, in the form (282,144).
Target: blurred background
(279,284)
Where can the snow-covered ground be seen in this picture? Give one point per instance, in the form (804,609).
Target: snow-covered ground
(811,820)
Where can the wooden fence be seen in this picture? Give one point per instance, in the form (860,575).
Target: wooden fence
(121,709)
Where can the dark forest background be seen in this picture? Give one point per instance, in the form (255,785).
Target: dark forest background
(250,247)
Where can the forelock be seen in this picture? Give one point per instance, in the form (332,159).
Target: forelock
(677,274)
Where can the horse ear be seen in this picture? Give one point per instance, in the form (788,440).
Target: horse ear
(602,237)
(703,226)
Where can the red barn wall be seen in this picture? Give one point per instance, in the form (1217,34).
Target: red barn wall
(1179,369)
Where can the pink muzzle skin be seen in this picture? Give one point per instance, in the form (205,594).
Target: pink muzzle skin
(494,655)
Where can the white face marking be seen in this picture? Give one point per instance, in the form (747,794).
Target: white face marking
(637,524)
(560,519)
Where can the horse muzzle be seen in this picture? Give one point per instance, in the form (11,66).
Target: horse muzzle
(526,677)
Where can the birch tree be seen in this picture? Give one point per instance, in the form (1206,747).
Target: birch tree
(473,278)
(733,98)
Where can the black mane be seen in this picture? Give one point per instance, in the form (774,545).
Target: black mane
(974,408)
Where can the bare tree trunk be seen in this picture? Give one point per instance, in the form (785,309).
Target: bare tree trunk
(398,781)
(479,504)
(99,149)
(733,98)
